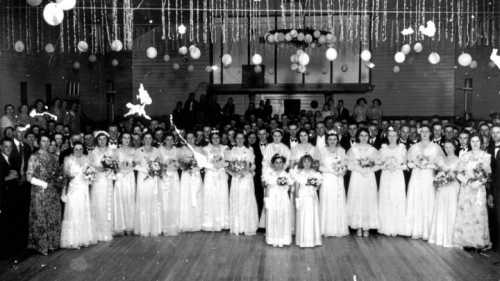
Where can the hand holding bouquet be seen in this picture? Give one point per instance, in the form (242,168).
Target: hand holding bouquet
(155,169)
(444,177)
(188,164)
(339,166)
(391,164)
(89,173)
(479,175)
(109,164)
(421,162)
(218,162)
(238,168)
(366,163)
(314,182)
(282,181)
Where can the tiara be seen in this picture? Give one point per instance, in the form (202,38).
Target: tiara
(98,133)
(278,130)
(214,131)
(332,133)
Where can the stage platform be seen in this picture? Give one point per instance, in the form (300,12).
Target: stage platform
(221,256)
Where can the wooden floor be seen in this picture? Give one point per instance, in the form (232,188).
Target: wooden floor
(221,256)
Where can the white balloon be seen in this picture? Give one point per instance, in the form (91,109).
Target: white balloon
(294,66)
(195,53)
(396,69)
(300,36)
(92,58)
(308,38)
(53,14)
(331,54)
(288,37)
(270,38)
(406,49)
(115,62)
(181,29)
(370,65)
(322,39)
(34,3)
(257,59)
(257,69)
(226,60)
(176,66)
(116,45)
(304,59)
(151,52)
(418,47)
(49,48)
(19,46)
(83,46)
(434,58)
(66,5)
(190,68)
(317,34)
(473,64)
(293,58)
(183,50)
(399,57)
(302,68)
(294,33)
(76,65)
(166,58)
(464,59)
(366,55)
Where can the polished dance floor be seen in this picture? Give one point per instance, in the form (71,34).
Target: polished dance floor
(221,256)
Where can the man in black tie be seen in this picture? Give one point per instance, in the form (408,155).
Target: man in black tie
(8,186)
(437,132)
(258,149)
(375,140)
(291,139)
(463,143)
(494,190)
(348,140)
(404,135)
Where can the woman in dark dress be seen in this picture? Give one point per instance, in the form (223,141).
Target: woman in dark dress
(44,174)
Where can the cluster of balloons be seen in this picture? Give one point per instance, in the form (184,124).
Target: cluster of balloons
(314,38)
(53,12)
(300,60)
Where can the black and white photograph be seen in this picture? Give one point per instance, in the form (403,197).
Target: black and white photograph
(266,140)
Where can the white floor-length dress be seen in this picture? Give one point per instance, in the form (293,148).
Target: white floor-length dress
(421,191)
(148,202)
(243,214)
(332,195)
(362,197)
(445,209)
(215,190)
(77,222)
(191,204)
(124,191)
(392,191)
(278,209)
(170,192)
(307,228)
(101,196)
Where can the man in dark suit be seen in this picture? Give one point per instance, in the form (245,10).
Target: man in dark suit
(375,140)
(437,132)
(463,143)
(258,149)
(8,185)
(291,139)
(404,134)
(494,190)
(350,138)
(342,112)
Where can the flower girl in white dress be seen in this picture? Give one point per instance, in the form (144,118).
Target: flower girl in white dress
(332,195)
(277,203)
(422,159)
(77,222)
(362,197)
(307,182)
(170,187)
(392,193)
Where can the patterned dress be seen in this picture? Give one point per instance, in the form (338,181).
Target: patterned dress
(45,206)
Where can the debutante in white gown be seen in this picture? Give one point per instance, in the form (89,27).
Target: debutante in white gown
(302,149)
(215,190)
(332,197)
(392,192)
(278,208)
(362,197)
(421,190)
(273,149)
(191,204)
(77,222)
(243,214)
(148,202)
(445,209)
(170,192)
(101,196)
(124,191)
(307,229)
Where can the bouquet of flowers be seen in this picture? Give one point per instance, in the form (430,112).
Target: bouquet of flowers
(339,166)
(391,164)
(421,162)
(89,173)
(314,182)
(218,161)
(238,168)
(444,178)
(479,175)
(282,181)
(366,163)
(155,169)
(109,164)
(171,163)
(188,164)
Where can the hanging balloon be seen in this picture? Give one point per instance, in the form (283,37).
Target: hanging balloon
(399,57)
(53,14)
(19,46)
(34,3)
(166,58)
(257,59)
(92,58)
(257,69)
(300,36)
(176,66)
(116,45)
(151,53)
(183,50)
(195,53)
(227,60)
(293,33)
(288,37)
(308,38)
(76,65)
(270,38)
(115,62)
(396,69)
(331,54)
(317,34)
(370,65)
(181,29)
(434,58)
(293,58)
(322,39)
(83,46)
(464,59)
(418,47)
(49,48)
(344,68)
(302,68)
(473,64)
(190,68)
(329,38)
(294,66)
(214,67)
(366,55)
(304,59)
(281,37)
(66,5)
(406,49)
(208,68)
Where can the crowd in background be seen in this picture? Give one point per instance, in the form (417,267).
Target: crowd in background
(263,171)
